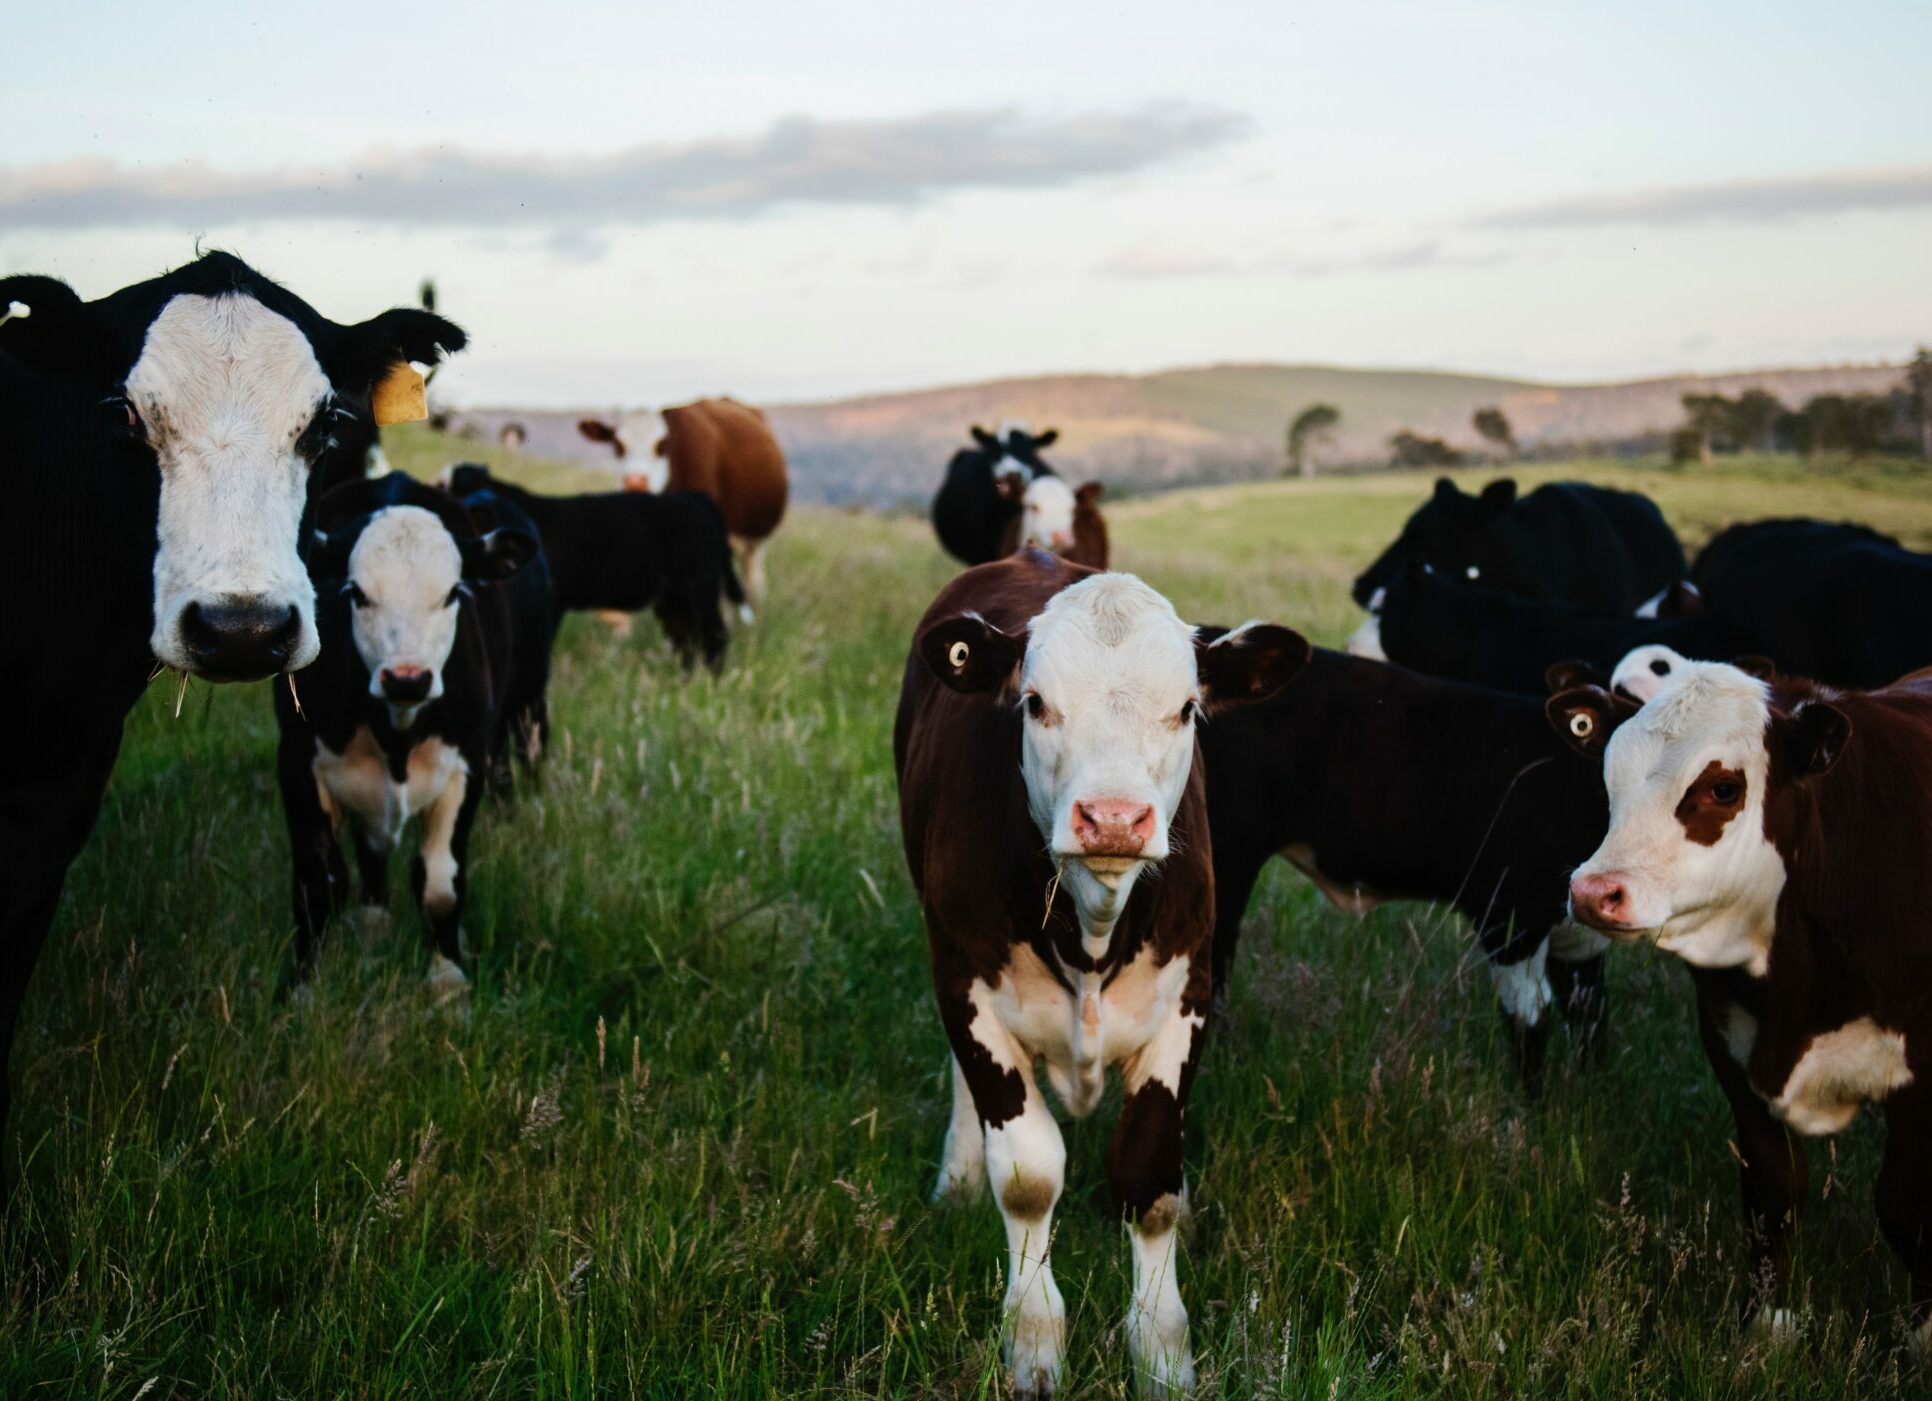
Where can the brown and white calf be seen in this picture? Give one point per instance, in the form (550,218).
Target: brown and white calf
(1055,823)
(1775,835)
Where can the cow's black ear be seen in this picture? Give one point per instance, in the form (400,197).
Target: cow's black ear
(328,552)
(969,654)
(1252,663)
(1761,667)
(1587,716)
(46,325)
(597,430)
(1812,737)
(987,440)
(497,555)
(370,351)
(1447,490)
(1500,493)
(1046,439)
(462,479)
(1567,676)
(1682,599)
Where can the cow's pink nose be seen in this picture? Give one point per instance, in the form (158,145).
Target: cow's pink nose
(405,684)
(1062,540)
(1602,901)
(1113,826)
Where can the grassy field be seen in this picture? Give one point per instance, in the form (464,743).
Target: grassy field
(681,1140)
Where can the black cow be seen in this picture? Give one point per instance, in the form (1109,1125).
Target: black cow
(988,489)
(1380,784)
(405,713)
(1565,541)
(629,550)
(160,448)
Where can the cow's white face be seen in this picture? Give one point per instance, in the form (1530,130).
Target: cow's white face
(1046,515)
(226,390)
(405,584)
(1644,671)
(1686,861)
(1110,693)
(642,432)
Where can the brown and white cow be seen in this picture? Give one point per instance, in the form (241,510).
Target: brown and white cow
(1777,836)
(1046,759)
(720,447)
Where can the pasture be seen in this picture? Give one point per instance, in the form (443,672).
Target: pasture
(680,1141)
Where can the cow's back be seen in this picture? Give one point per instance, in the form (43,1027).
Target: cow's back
(727,451)
(1593,545)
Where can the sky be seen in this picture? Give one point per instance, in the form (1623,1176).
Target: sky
(629,205)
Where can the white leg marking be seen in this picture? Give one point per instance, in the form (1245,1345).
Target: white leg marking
(1919,1341)
(1522,988)
(1778,1327)
(751,570)
(962,1167)
(445,980)
(1026,1164)
(1157,1320)
(439,863)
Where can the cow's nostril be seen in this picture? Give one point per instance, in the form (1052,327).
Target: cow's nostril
(405,684)
(239,639)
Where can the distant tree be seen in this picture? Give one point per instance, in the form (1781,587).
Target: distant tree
(1918,383)
(1493,424)
(1413,450)
(1752,416)
(1686,445)
(1705,415)
(1312,427)
(1854,424)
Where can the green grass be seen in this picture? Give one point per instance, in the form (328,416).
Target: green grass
(681,1141)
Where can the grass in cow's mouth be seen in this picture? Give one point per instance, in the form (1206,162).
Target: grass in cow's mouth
(682,1142)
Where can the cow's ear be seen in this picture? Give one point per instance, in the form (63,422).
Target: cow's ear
(1089,493)
(1046,439)
(1812,737)
(461,479)
(1447,490)
(1761,667)
(498,554)
(969,654)
(1587,716)
(328,552)
(374,358)
(1252,663)
(1568,676)
(1682,599)
(597,430)
(987,440)
(46,325)
(1500,493)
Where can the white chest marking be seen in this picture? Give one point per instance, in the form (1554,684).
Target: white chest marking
(1080,1033)
(1838,1072)
(358,782)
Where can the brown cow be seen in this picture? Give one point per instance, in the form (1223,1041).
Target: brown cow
(720,447)
(1045,753)
(1775,835)
(1052,518)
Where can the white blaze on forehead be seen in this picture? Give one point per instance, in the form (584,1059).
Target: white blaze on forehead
(407,566)
(225,387)
(1114,665)
(1046,513)
(1712,905)
(641,432)
(1644,671)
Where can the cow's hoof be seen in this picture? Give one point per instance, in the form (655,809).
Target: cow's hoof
(301,997)
(1919,1343)
(372,924)
(1035,1348)
(745,615)
(1775,1327)
(958,1186)
(1163,1365)
(445,981)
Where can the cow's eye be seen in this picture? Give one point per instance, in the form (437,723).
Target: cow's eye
(1190,712)
(353,592)
(454,595)
(1035,706)
(125,418)
(1726,793)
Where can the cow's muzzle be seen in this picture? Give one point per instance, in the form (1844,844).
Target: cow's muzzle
(239,639)
(1113,827)
(1604,903)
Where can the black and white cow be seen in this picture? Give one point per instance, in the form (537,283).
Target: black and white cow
(405,713)
(160,448)
(1565,541)
(1379,784)
(1000,495)
(623,551)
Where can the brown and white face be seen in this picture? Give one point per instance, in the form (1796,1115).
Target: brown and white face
(1046,515)
(1111,684)
(1687,861)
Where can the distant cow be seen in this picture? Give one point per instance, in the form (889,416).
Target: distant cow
(1000,496)
(1045,747)
(1774,835)
(1379,784)
(720,447)
(625,551)
(406,711)
(1565,542)
(512,436)
(161,446)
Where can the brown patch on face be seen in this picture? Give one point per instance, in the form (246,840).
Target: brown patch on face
(1714,797)
(1027,1198)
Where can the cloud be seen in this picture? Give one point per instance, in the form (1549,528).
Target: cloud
(1409,257)
(1757,201)
(899,161)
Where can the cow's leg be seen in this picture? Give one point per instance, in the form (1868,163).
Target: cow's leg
(751,570)
(962,1168)
(372,879)
(1150,1190)
(1904,1198)
(441,878)
(1235,874)
(321,877)
(1519,971)
(1772,1170)
(1575,971)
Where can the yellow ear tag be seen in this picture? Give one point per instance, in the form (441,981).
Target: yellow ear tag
(398,396)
